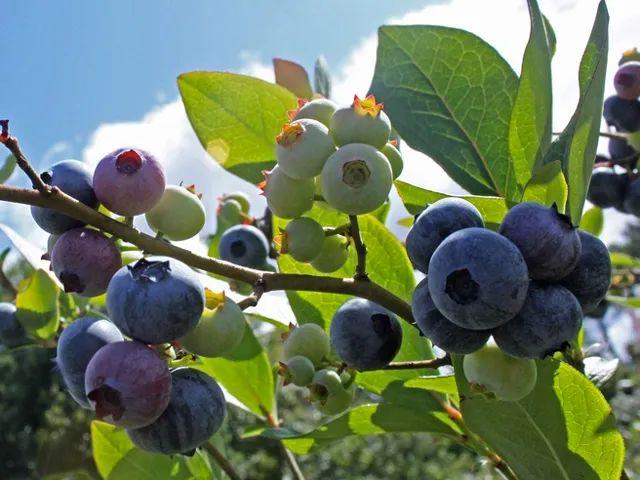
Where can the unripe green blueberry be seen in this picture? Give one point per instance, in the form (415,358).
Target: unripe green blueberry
(333,254)
(320,109)
(230,212)
(130,256)
(356,179)
(302,148)
(239,197)
(220,329)
(395,159)
(287,197)
(178,215)
(362,122)
(298,370)
(325,382)
(507,377)
(337,402)
(302,238)
(308,340)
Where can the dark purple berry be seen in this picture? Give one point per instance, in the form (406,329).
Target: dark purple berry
(622,114)
(607,187)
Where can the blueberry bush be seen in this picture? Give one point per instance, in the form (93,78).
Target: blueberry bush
(471,330)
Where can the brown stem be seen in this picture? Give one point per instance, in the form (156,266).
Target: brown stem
(433,363)
(253,299)
(222,461)
(361,249)
(12,144)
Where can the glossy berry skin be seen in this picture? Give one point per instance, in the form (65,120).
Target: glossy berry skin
(128,384)
(308,340)
(590,280)
(365,335)
(349,125)
(550,317)
(395,159)
(196,411)
(478,279)
(607,187)
(302,148)
(129,181)
(287,197)
(244,245)
(442,332)
(155,300)
(333,254)
(302,239)
(320,109)
(74,179)
(622,114)
(84,260)
(492,371)
(356,179)
(219,331)
(549,243)
(77,345)
(626,81)
(298,370)
(434,224)
(12,333)
(178,215)
(632,198)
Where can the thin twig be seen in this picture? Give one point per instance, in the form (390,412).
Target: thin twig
(14,147)
(293,463)
(361,249)
(433,363)
(253,299)
(222,461)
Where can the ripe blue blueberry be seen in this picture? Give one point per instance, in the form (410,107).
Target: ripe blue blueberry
(442,332)
(129,181)
(155,300)
(195,412)
(550,317)
(244,245)
(478,279)
(632,198)
(77,345)
(549,243)
(590,280)
(622,114)
(302,148)
(128,384)
(12,333)
(84,260)
(607,187)
(74,179)
(365,335)
(434,224)
(287,197)
(320,109)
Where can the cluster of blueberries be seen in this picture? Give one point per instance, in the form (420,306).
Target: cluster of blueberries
(527,285)
(614,182)
(342,154)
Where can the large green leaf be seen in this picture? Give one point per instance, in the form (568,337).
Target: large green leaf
(547,186)
(246,374)
(37,303)
(576,147)
(563,430)
(450,96)
(117,458)
(415,199)
(7,168)
(592,221)
(530,125)
(236,118)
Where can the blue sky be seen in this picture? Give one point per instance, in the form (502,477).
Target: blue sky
(69,66)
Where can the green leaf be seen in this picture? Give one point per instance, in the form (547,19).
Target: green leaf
(415,199)
(530,125)
(236,118)
(117,458)
(246,374)
(449,95)
(37,304)
(628,302)
(551,35)
(623,260)
(576,147)
(322,77)
(563,430)
(369,420)
(547,186)
(406,222)
(7,168)
(293,77)
(31,253)
(592,221)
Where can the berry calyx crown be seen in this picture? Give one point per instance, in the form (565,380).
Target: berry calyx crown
(367,106)
(289,134)
(129,161)
(294,111)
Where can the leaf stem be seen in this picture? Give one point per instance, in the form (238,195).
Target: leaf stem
(222,461)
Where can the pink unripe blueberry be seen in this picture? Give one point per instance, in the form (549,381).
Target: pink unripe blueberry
(129,181)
